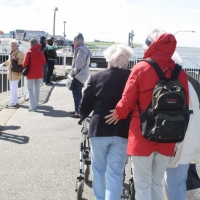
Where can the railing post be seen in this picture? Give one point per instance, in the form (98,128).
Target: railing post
(64,63)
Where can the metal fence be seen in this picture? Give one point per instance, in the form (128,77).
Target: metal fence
(191,64)
(4,83)
(191,67)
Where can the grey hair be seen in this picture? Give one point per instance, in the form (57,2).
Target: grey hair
(155,33)
(79,37)
(33,42)
(13,42)
(118,55)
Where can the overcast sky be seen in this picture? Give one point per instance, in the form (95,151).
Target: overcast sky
(106,20)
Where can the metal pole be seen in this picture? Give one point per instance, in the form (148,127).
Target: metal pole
(64,37)
(64,55)
(128,39)
(184,31)
(54,19)
(54,23)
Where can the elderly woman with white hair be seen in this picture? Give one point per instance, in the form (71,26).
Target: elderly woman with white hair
(14,77)
(108,142)
(80,70)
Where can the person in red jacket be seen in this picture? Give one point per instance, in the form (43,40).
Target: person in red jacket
(149,159)
(35,59)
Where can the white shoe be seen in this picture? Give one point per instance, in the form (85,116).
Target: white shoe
(32,110)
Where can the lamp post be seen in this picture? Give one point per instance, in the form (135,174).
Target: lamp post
(64,38)
(184,31)
(55,9)
(130,39)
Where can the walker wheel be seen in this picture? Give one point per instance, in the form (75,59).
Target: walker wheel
(131,192)
(86,173)
(79,190)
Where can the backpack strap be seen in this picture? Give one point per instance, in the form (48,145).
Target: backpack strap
(155,66)
(177,70)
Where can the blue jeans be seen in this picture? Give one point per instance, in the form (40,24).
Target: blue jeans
(175,182)
(45,66)
(51,64)
(77,94)
(108,162)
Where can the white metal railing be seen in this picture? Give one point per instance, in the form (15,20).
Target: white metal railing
(191,64)
(191,67)
(4,83)
(7,49)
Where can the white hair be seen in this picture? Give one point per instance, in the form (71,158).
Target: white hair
(13,42)
(118,55)
(155,33)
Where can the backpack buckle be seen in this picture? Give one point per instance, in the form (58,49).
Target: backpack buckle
(151,113)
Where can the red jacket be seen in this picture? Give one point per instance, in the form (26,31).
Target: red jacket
(139,86)
(36,62)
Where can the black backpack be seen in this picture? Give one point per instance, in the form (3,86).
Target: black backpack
(166,118)
(50,53)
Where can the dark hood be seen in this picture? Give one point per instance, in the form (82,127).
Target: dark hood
(162,48)
(43,44)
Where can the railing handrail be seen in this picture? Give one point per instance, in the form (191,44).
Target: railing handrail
(189,65)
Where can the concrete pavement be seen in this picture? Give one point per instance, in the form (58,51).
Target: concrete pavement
(39,151)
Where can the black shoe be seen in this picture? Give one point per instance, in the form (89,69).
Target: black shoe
(75,116)
(12,106)
(49,84)
(72,112)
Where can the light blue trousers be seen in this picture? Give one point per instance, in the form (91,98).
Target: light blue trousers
(108,162)
(34,91)
(175,182)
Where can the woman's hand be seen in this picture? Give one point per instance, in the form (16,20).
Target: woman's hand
(112,118)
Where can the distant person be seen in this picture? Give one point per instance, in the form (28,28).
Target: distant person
(14,77)
(13,34)
(72,45)
(108,142)
(24,35)
(52,56)
(35,59)
(80,70)
(43,43)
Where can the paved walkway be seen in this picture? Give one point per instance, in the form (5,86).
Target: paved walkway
(39,151)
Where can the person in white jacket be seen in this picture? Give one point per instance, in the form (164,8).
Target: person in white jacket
(186,152)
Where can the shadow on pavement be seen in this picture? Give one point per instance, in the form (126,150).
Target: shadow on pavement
(5,128)
(49,111)
(18,139)
(61,85)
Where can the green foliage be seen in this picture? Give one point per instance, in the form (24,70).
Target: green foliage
(94,45)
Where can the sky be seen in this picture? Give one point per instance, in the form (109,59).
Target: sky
(105,20)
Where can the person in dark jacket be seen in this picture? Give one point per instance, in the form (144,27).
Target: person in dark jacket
(52,55)
(108,142)
(43,43)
